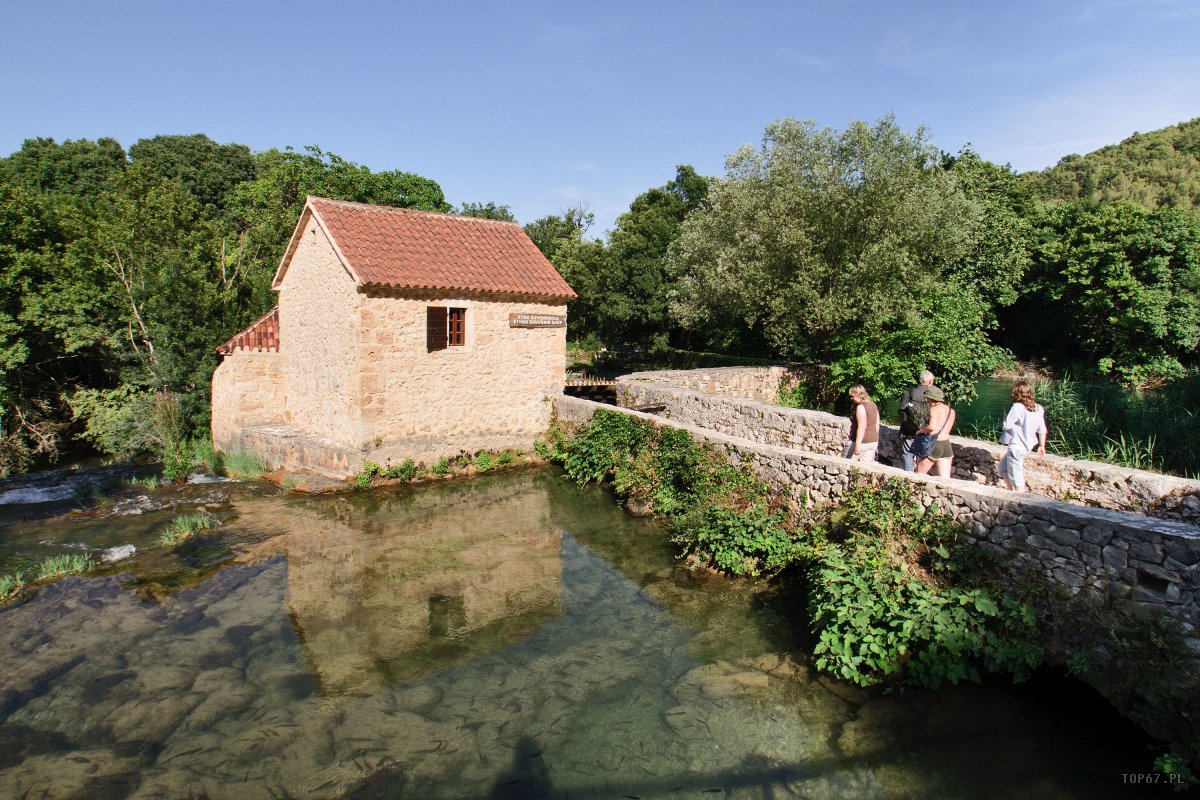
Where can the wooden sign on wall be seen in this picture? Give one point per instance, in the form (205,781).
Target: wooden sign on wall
(536,321)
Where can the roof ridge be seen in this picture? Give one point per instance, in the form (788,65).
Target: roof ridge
(410,211)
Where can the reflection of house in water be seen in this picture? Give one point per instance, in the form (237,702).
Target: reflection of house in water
(425,581)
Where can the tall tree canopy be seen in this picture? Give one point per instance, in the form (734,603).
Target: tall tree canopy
(847,248)
(1118,287)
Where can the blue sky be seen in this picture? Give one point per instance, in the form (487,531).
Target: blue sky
(545,105)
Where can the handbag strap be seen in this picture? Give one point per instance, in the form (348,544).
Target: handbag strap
(946,421)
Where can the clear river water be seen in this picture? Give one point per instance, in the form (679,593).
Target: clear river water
(508,636)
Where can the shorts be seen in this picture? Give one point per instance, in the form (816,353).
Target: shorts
(868,451)
(943,449)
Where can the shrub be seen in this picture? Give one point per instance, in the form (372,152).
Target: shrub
(485,462)
(753,542)
(405,471)
(662,467)
(892,595)
(187,525)
(117,421)
(1175,768)
(441,467)
(366,475)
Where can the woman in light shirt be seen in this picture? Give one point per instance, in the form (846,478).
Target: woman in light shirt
(1024,431)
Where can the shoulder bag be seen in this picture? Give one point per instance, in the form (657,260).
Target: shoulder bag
(923,443)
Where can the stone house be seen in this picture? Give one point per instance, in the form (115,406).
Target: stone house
(398,334)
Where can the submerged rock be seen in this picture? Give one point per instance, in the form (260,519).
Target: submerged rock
(117,553)
(206,477)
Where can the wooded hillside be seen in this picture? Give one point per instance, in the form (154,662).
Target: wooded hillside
(1157,169)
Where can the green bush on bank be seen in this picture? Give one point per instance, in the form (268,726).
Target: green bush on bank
(893,596)
(891,591)
(408,470)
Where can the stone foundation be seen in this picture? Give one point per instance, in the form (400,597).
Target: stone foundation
(292,450)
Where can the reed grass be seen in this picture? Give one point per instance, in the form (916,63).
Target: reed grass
(10,584)
(62,565)
(1155,430)
(186,526)
(245,466)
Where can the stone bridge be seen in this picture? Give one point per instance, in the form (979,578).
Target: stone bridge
(1110,532)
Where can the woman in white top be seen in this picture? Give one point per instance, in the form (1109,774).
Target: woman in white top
(1024,431)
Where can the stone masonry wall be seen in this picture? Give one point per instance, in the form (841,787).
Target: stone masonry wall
(1152,562)
(501,382)
(247,390)
(753,383)
(1081,482)
(319,332)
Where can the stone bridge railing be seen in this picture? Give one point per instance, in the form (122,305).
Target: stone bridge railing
(760,420)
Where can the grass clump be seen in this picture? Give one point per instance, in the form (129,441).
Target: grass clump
(441,466)
(186,526)
(1157,430)
(60,566)
(147,481)
(244,466)
(10,584)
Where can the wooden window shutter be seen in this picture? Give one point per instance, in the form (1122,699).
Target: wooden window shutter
(435,328)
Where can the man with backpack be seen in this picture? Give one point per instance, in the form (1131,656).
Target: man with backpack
(914,415)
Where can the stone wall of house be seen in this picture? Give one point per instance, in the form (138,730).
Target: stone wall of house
(247,390)
(500,383)
(1080,482)
(319,332)
(1152,562)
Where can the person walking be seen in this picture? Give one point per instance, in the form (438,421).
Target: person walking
(913,412)
(864,426)
(941,422)
(1024,431)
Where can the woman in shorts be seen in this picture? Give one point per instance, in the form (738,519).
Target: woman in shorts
(941,422)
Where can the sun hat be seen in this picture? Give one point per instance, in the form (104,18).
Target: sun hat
(934,393)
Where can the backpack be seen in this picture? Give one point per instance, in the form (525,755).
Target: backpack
(914,415)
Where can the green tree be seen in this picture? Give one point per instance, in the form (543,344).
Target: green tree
(262,213)
(207,170)
(1119,286)
(1000,234)
(79,168)
(582,262)
(487,210)
(823,243)
(636,287)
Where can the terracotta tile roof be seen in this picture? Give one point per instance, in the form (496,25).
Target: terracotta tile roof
(262,336)
(409,249)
